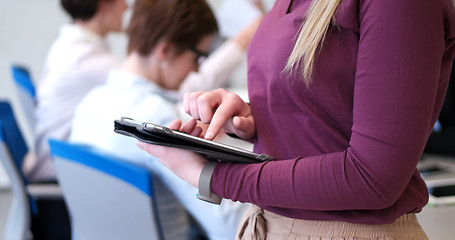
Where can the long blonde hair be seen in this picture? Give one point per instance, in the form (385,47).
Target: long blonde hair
(311,36)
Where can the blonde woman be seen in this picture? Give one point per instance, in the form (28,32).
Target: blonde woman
(344,95)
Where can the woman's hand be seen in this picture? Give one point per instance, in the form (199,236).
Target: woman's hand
(221,109)
(185,164)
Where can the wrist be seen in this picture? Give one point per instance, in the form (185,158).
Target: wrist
(191,173)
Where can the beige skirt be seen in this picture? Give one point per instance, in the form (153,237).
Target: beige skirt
(259,224)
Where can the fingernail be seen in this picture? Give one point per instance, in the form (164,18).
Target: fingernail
(209,135)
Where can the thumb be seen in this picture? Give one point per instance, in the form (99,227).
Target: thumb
(244,127)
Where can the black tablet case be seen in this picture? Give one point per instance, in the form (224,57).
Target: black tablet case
(228,154)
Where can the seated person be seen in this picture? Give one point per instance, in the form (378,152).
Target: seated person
(166,40)
(442,139)
(80,60)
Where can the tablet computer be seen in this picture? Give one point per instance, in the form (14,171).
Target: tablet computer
(164,136)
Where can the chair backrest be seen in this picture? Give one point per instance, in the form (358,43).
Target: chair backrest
(12,135)
(23,78)
(26,92)
(108,198)
(12,152)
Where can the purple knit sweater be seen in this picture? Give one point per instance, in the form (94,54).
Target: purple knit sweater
(347,146)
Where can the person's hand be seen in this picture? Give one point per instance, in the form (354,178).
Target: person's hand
(185,164)
(222,110)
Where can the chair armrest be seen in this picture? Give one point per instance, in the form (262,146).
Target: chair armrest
(45,191)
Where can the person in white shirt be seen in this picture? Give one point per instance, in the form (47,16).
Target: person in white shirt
(167,38)
(79,60)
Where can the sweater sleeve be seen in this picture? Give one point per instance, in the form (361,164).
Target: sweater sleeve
(397,96)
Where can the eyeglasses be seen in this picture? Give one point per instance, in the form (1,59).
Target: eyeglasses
(200,56)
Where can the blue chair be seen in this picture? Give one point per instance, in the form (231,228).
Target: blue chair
(23,206)
(26,92)
(23,78)
(107,198)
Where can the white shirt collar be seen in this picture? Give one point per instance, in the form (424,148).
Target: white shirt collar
(76,32)
(120,77)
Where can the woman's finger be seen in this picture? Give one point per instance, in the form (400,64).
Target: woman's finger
(154,150)
(230,105)
(192,105)
(188,98)
(207,104)
(185,104)
(221,115)
(189,126)
(244,127)
(196,132)
(175,125)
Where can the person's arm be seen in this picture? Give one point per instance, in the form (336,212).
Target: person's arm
(396,86)
(243,38)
